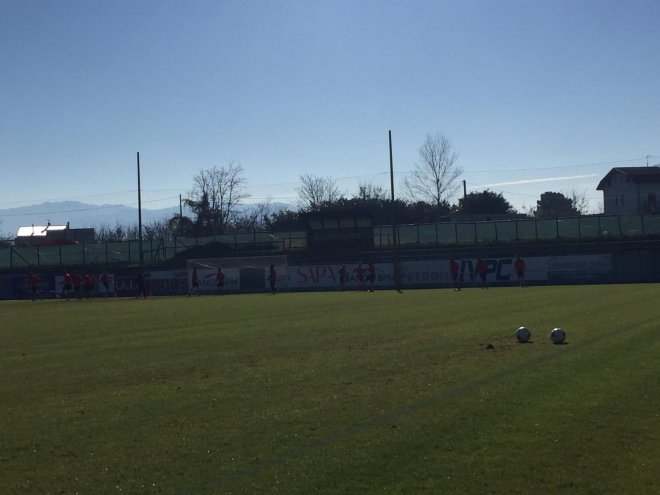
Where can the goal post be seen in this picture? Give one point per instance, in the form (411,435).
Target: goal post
(241,274)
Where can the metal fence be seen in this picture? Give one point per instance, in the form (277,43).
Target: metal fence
(128,252)
(586,227)
(432,234)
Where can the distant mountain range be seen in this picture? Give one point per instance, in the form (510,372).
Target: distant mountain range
(82,215)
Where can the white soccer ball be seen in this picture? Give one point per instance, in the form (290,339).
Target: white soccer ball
(523,335)
(558,336)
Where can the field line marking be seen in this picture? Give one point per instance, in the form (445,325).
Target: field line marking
(457,391)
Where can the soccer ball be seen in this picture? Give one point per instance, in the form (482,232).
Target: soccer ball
(558,336)
(523,335)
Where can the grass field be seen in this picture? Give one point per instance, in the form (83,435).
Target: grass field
(333,393)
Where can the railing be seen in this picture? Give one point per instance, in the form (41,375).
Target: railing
(433,234)
(128,252)
(502,231)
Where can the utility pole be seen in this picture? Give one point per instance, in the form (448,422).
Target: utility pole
(140,214)
(395,273)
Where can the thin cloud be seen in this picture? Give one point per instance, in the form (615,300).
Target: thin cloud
(538,181)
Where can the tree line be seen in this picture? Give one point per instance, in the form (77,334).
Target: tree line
(217,201)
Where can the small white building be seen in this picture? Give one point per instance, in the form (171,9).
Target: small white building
(631,191)
(52,235)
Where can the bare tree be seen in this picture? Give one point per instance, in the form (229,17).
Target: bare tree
(215,195)
(253,217)
(368,190)
(313,191)
(119,233)
(580,201)
(435,178)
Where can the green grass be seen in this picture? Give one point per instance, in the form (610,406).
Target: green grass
(333,393)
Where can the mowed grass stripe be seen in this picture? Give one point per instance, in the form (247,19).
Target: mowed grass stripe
(177,393)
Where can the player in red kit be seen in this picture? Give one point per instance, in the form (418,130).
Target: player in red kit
(454,269)
(481,271)
(34,286)
(519,266)
(359,274)
(272,278)
(220,281)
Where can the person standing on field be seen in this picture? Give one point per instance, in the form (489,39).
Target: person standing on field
(105,281)
(194,283)
(34,286)
(68,285)
(481,271)
(272,278)
(88,285)
(371,276)
(359,274)
(342,276)
(454,270)
(519,266)
(77,282)
(220,281)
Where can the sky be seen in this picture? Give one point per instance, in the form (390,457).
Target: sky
(534,95)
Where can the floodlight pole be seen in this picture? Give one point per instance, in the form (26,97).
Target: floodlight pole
(395,243)
(139,213)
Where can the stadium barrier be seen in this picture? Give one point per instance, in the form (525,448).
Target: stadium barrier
(615,267)
(128,252)
(418,235)
(503,231)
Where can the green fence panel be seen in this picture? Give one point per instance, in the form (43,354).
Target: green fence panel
(589,227)
(48,255)
(377,238)
(24,256)
(446,233)
(428,234)
(651,224)
(244,240)
(506,231)
(466,233)
(486,232)
(134,251)
(118,252)
(330,224)
(5,257)
(609,226)
(346,223)
(183,243)
(407,235)
(95,253)
(568,228)
(71,255)
(526,230)
(631,225)
(546,229)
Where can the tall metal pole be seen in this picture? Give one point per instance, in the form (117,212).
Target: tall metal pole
(395,242)
(139,213)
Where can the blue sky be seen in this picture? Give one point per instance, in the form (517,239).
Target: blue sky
(534,95)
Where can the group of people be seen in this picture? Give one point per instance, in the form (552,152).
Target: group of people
(194,282)
(481,269)
(77,285)
(364,276)
(220,281)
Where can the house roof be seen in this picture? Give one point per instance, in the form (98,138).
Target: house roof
(636,174)
(38,230)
